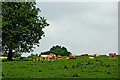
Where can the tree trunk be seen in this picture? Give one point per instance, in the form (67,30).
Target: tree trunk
(10,55)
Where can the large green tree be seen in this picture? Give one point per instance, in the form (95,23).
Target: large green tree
(22,27)
(58,50)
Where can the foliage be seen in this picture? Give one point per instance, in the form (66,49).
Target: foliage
(15,54)
(58,50)
(22,27)
(33,55)
(5,55)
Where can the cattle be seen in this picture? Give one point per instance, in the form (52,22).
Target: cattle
(93,54)
(43,57)
(35,58)
(97,55)
(59,57)
(112,55)
(48,57)
(91,57)
(84,54)
(51,54)
(52,57)
(71,56)
(67,58)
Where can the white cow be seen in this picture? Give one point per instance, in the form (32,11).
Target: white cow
(43,57)
(91,57)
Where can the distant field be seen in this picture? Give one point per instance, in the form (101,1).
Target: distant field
(81,67)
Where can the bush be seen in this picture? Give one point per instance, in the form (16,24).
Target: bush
(16,54)
(57,50)
(73,66)
(4,59)
(107,65)
(40,71)
(77,65)
(108,72)
(28,59)
(75,75)
(16,59)
(65,67)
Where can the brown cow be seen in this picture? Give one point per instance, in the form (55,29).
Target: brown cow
(93,54)
(97,55)
(51,54)
(72,56)
(59,57)
(35,58)
(52,57)
(112,55)
(85,54)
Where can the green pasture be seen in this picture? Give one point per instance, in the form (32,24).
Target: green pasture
(81,67)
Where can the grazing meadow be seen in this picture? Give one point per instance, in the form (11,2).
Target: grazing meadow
(81,67)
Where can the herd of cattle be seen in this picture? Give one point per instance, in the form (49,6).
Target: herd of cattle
(52,56)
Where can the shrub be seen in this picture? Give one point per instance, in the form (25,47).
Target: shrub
(77,65)
(73,66)
(96,59)
(4,59)
(16,59)
(108,72)
(75,75)
(107,65)
(65,67)
(2,74)
(28,59)
(40,71)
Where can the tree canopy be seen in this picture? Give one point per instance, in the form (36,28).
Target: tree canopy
(58,50)
(22,27)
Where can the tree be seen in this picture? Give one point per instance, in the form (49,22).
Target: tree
(58,50)
(22,27)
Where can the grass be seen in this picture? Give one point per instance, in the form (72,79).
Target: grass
(81,67)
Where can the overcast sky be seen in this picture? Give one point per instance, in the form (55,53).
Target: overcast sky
(81,27)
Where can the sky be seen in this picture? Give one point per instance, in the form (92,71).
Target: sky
(81,27)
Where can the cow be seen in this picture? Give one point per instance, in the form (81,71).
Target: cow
(48,57)
(59,57)
(43,57)
(67,58)
(51,54)
(52,57)
(93,54)
(91,57)
(97,55)
(84,54)
(112,55)
(35,58)
(71,56)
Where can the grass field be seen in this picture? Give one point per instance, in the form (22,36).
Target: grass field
(81,67)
